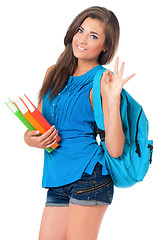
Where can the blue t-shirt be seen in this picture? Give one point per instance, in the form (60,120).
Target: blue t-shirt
(78,151)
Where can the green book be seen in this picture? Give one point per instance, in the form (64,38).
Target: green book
(21,117)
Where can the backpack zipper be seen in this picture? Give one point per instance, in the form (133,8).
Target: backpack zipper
(151,148)
(94,188)
(137,128)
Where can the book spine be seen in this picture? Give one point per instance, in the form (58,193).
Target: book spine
(37,115)
(28,125)
(34,122)
(44,123)
(24,121)
(35,112)
(36,125)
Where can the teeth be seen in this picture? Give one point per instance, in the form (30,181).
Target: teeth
(80,48)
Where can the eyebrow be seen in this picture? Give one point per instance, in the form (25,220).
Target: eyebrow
(91,31)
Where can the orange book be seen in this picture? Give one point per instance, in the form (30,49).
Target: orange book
(36,114)
(24,110)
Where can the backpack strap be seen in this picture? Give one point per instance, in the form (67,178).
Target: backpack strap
(98,112)
(100,132)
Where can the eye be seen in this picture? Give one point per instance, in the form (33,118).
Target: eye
(94,37)
(80,30)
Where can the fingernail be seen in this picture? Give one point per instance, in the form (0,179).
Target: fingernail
(37,132)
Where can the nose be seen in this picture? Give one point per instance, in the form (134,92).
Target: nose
(83,39)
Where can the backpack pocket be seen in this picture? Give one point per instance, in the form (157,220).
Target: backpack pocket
(140,162)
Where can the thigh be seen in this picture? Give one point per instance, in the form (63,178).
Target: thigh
(54,223)
(84,221)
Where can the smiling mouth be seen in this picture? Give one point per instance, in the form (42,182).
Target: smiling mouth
(80,48)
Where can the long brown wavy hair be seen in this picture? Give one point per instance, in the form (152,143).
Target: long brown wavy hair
(67,62)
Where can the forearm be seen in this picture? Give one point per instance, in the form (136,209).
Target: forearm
(114,135)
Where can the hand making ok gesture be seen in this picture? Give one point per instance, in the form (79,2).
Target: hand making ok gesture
(112,84)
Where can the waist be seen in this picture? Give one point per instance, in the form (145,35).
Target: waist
(76,135)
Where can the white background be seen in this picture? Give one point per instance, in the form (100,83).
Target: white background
(31,40)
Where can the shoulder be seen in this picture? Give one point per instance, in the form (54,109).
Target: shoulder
(49,70)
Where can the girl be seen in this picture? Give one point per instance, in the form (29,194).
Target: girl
(79,185)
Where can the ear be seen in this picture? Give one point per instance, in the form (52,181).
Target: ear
(105,48)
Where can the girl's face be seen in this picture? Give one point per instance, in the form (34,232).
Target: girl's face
(89,40)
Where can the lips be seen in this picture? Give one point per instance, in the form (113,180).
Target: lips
(80,48)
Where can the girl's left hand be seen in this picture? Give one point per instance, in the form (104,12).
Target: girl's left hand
(112,84)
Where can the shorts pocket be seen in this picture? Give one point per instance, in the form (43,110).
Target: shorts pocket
(87,179)
(90,189)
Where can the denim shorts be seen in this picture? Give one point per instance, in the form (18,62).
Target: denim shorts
(95,189)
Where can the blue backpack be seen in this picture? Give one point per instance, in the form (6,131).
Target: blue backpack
(133,164)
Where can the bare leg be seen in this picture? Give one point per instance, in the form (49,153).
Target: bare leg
(54,223)
(84,221)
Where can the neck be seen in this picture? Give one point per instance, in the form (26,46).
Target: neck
(83,67)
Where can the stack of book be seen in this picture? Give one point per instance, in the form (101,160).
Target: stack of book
(29,115)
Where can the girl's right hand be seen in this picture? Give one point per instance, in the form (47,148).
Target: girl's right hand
(46,140)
